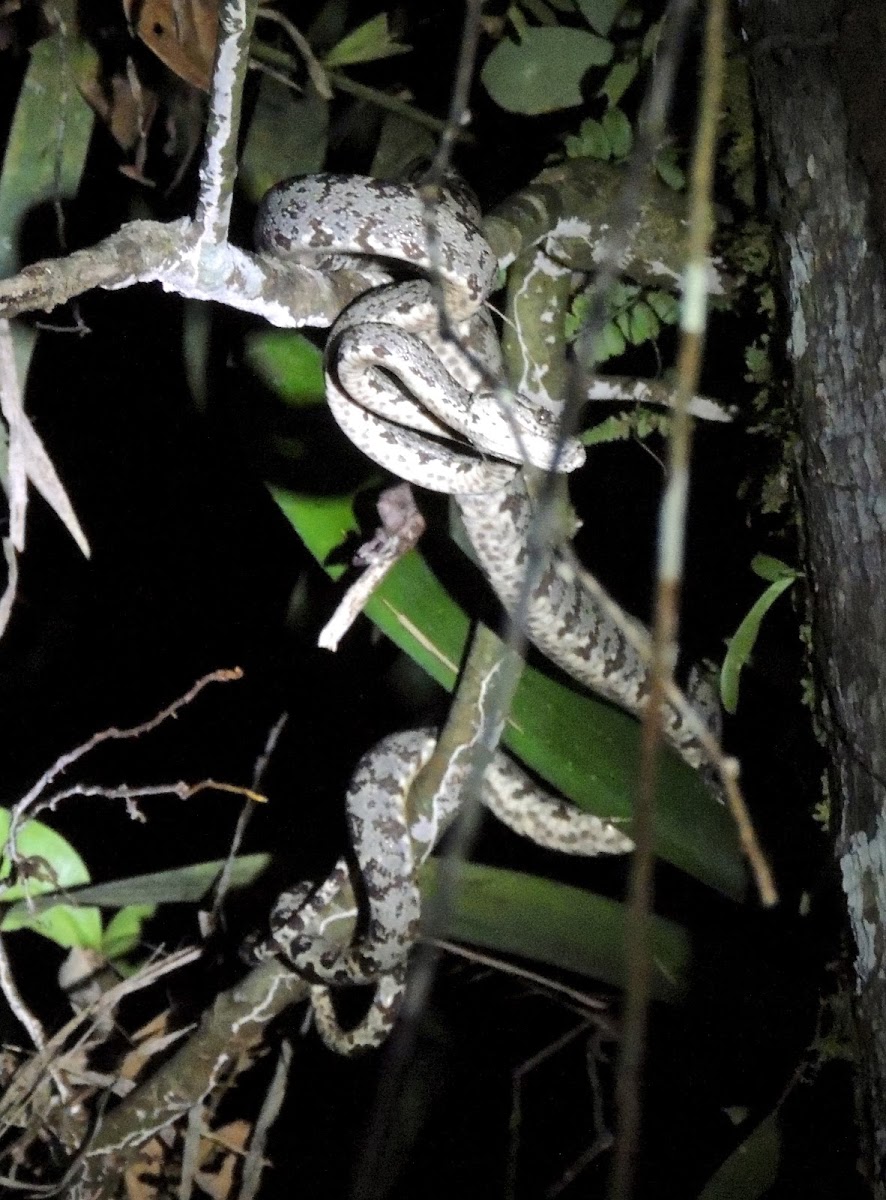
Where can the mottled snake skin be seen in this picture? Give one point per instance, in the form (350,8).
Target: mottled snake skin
(427,408)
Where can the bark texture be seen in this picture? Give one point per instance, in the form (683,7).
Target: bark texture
(810,77)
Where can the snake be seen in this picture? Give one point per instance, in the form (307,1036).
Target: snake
(414,379)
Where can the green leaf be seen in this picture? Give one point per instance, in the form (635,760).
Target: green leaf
(55,862)
(549,722)
(289,364)
(64,924)
(751,1170)
(54,867)
(370,41)
(741,644)
(544,72)
(650,40)
(124,930)
(401,144)
(610,343)
(45,155)
(47,145)
(665,306)
(621,76)
(772,569)
(644,324)
(591,142)
(613,429)
(600,14)
(564,927)
(669,169)
(618,132)
(621,294)
(182,885)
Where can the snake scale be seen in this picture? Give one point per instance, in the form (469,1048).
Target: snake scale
(426,405)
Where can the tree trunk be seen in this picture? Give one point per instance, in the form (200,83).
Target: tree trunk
(814,67)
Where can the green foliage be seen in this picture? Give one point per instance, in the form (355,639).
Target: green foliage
(600,14)
(367,43)
(286,136)
(741,644)
(549,723)
(751,1170)
(543,72)
(288,364)
(566,928)
(668,168)
(123,933)
(621,76)
(609,138)
(52,865)
(636,315)
(740,146)
(639,423)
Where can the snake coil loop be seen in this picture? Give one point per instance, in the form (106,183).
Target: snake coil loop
(420,404)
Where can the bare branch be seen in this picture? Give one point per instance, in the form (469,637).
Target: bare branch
(34,800)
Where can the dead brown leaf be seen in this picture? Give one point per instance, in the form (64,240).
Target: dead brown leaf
(181,33)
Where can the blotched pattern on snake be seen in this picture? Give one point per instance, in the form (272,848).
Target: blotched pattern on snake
(425,404)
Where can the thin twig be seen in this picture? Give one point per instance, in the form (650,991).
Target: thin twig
(582,999)
(258,770)
(32,799)
(255,1161)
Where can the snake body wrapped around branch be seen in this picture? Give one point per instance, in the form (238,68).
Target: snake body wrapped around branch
(421,392)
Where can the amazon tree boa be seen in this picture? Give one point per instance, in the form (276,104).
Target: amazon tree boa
(429,405)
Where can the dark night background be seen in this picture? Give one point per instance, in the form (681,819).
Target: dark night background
(194,568)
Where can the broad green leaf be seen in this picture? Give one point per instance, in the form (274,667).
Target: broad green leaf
(618,132)
(289,364)
(124,930)
(54,866)
(741,644)
(583,747)
(368,42)
(287,132)
(600,14)
(565,927)
(751,1170)
(544,71)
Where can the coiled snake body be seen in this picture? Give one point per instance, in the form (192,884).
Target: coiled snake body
(423,406)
